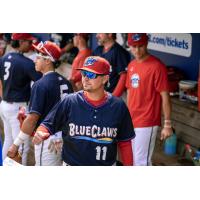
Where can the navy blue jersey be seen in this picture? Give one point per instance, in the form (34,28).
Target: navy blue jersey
(118,58)
(17,72)
(46,92)
(90,134)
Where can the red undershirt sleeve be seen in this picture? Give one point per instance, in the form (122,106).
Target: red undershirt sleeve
(119,89)
(126,153)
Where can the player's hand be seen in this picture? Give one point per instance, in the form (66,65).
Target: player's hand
(21,115)
(165,133)
(55,145)
(41,134)
(14,154)
(40,137)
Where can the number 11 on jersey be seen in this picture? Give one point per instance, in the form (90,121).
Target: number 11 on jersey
(101,153)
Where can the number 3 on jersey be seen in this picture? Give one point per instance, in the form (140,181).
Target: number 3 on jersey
(101,153)
(63,90)
(7,66)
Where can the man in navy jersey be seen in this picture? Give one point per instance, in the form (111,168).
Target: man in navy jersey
(16,74)
(94,123)
(118,58)
(45,93)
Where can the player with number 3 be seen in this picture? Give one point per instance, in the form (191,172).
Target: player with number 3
(16,73)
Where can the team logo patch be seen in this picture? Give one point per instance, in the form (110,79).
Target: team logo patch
(135,80)
(90,61)
(137,37)
(93,133)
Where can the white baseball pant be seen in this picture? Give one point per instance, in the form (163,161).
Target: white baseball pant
(143,145)
(11,124)
(43,157)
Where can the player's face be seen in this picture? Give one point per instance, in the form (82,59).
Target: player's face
(102,38)
(75,40)
(2,47)
(93,83)
(139,51)
(26,45)
(40,63)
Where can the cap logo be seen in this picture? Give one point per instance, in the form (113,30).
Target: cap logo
(137,37)
(90,61)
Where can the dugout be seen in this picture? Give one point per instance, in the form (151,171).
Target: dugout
(181,51)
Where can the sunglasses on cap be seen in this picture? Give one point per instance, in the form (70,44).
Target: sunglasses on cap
(90,75)
(41,46)
(43,56)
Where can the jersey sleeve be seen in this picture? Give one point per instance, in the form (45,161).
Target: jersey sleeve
(161,79)
(126,130)
(37,99)
(57,118)
(122,60)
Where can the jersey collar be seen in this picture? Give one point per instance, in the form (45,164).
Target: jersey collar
(48,73)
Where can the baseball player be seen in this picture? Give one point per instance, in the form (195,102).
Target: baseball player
(147,89)
(17,72)
(118,58)
(93,121)
(45,93)
(79,41)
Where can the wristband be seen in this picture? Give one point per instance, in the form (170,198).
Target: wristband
(167,120)
(21,138)
(165,126)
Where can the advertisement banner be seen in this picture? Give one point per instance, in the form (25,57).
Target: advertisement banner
(173,43)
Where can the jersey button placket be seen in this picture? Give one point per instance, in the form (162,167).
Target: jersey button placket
(95,114)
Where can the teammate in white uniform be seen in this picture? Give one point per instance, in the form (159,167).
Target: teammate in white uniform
(16,74)
(45,93)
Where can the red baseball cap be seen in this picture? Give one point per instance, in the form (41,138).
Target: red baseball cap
(137,39)
(50,49)
(96,65)
(22,36)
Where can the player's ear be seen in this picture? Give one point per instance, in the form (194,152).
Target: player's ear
(20,42)
(48,61)
(105,79)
